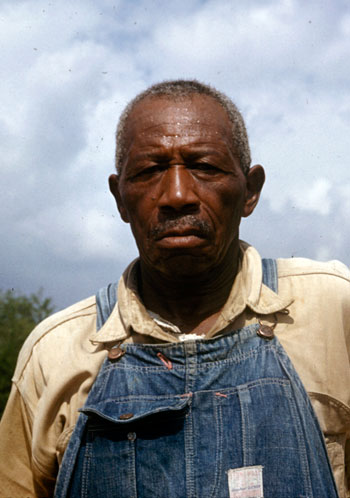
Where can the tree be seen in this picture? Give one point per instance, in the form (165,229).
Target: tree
(18,316)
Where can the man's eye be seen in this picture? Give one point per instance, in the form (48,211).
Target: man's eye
(149,171)
(205,168)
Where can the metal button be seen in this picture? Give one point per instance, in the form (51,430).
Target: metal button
(125,416)
(131,436)
(115,353)
(266,332)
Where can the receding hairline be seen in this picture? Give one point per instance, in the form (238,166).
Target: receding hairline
(180,90)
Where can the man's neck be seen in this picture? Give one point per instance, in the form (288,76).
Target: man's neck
(192,304)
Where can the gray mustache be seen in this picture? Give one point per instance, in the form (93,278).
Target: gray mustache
(188,221)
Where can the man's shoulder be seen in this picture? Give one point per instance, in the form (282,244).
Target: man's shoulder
(299,267)
(75,312)
(321,283)
(78,319)
(303,267)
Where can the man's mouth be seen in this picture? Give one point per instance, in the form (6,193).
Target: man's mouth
(187,226)
(183,232)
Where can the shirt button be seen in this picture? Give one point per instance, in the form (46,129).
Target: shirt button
(125,416)
(131,436)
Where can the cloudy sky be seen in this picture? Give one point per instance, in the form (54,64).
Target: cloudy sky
(69,67)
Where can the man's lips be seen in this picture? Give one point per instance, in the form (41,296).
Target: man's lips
(177,233)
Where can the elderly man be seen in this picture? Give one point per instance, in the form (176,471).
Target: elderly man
(189,385)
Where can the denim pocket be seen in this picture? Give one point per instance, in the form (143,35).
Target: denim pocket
(133,452)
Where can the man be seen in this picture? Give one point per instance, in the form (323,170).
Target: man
(185,389)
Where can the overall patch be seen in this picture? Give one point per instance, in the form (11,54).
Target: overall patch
(246,482)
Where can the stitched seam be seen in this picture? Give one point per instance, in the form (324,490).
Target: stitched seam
(339,404)
(218,452)
(238,358)
(303,273)
(44,334)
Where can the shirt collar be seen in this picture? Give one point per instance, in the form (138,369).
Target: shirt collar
(249,290)
(130,315)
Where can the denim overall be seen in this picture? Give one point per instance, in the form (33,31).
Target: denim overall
(170,420)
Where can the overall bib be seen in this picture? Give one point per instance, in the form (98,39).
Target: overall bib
(178,420)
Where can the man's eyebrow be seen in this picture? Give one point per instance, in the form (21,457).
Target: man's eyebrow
(190,151)
(165,156)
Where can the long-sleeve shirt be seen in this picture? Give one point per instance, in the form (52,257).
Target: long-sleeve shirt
(61,358)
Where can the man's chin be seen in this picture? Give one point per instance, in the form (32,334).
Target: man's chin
(182,265)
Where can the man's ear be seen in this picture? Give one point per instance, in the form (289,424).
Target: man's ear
(113,181)
(255,181)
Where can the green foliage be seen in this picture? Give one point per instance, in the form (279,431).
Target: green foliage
(18,316)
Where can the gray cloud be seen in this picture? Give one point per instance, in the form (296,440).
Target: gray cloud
(68,70)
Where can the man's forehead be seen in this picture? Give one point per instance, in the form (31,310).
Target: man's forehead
(193,110)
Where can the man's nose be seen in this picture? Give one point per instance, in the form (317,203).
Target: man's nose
(178,189)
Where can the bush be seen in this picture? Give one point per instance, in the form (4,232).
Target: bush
(18,316)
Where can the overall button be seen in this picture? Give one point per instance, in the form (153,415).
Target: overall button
(125,416)
(266,332)
(131,436)
(115,353)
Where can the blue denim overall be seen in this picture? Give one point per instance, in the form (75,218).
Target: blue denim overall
(170,420)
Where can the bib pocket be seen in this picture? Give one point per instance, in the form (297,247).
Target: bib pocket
(129,441)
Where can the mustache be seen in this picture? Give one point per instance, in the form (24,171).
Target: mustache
(188,221)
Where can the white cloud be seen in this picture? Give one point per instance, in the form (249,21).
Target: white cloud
(315,197)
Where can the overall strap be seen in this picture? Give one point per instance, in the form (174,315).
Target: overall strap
(106,299)
(270,275)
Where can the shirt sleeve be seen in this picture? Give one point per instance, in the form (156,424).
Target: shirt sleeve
(16,478)
(19,477)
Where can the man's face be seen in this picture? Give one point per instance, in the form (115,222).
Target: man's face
(181,187)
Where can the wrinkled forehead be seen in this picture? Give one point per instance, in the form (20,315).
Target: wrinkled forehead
(177,113)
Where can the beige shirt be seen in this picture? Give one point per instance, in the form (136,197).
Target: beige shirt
(61,358)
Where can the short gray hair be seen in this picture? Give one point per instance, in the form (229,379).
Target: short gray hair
(183,89)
